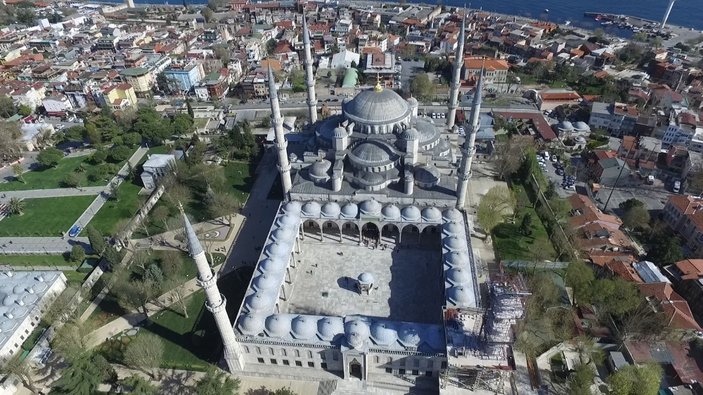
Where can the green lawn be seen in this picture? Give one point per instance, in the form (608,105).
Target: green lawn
(74,278)
(34,260)
(241,178)
(114,214)
(511,244)
(45,217)
(51,178)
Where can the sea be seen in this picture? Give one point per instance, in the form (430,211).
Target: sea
(686,13)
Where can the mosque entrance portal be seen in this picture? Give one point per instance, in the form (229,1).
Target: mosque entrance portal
(355,369)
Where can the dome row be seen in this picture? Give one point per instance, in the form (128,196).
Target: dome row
(389,212)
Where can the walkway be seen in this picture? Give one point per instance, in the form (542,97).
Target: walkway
(40,245)
(104,195)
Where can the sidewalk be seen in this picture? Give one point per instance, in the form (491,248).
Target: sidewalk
(40,245)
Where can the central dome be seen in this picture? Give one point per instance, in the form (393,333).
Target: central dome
(378,107)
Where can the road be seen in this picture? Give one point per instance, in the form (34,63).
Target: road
(103,196)
(40,245)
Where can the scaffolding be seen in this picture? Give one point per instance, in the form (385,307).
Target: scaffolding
(475,378)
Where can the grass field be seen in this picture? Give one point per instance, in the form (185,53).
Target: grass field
(45,217)
(511,244)
(114,214)
(34,260)
(241,178)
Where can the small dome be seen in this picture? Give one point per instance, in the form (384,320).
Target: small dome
(277,325)
(311,209)
(370,207)
(431,214)
(304,327)
(460,295)
(412,101)
(390,212)
(330,327)
(410,213)
(453,229)
(443,146)
(456,258)
(292,208)
(356,333)
(288,220)
(452,214)
(320,169)
(409,335)
(8,300)
(283,234)
(350,210)
(266,281)
(339,132)
(261,300)
(272,265)
(278,250)
(410,134)
(330,210)
(383,333)
(581,126)
(565,125)
(365,278)
(458,276)
(251,324)
(454,243)
(427,174)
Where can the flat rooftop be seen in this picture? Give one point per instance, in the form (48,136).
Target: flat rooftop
(408,282)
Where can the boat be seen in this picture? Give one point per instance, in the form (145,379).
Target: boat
(567,23)
(546,10)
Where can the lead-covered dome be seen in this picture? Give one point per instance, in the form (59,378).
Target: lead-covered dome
(383,333)
(311,209)
(272,265)
(431,214)
(277,325)
(319,170)
(452,214)
(288,220)
(339,132)
(330,327)
(410,134)
(460,295)
(260,300)
(453,228)
(410,213)
(283,234)
(356,332)
(409,335)
(372,154)
(458,276)
(266,281)
(370,207)
(251,324)
(304,327)
(377,106)
(391,212)
(456,258)
(330,210)
(292,208)
(350,210)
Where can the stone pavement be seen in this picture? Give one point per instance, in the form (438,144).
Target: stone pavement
(40,245)
(50,193)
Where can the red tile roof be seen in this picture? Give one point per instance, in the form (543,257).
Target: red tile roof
(690,269)
(545,131)
(675,307)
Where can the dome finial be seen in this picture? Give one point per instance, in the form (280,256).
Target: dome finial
(378,87)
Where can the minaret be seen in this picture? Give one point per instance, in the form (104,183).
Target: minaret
(281,143)
(216,302)
(309,76)
(456,79)
(469,146)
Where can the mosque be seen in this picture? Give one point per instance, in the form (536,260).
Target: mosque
(367,255)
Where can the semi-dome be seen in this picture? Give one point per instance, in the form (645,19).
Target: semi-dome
(261,300)
(311,209)
(266,281)
(390,212)
(454,243)
(456,258)
(370,178)
(372,153)
(278,249)
(453,228)
(278,325)
(288,220)
(272,265)
(339,132)
(303,327)
(377,106)
(370,207)
(319,170)
(350,210)
(412,101)
(410,134)
(410,213)
(292,207)
(330,210)
(356,332)
(452,214)
(460,295)
(330,327)
(283,234)
(383,333)
(365,278)
(427,175)
(431,214)
(458,275)
(409,335)
(251,324)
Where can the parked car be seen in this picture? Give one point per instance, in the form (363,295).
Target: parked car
(74,231)
(677,186)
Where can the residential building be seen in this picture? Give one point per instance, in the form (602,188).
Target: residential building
(214,86)
(255,85)
(495,71)
(596,230)
(155,168)
(120,96)
(141,79)
(688,282)
(640,153)
(617,118)
(612,172)
(344,59)
(57,105)
(549,99)
(662,298)
(684,214)
(185,76)
(684,129)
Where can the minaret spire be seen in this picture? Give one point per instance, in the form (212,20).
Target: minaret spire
(469,145)
(456,79)
(281,143)
(216,303)
(309,76)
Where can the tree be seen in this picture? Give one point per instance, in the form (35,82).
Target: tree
(207,14)
(636,217)
(24,110)
(588,350)
(151,126)
(77,253)
(17,170)
(494,205)
(25,16)
(216,382)
(630,203)
(96,239)
(7,107)
(82,377)
(580,380)
(636,380)
(580,277)
(98,157)
(71,180)
(182,124)
(49,157)
(136,385)
(421,87)
(663,247)
(509,155)
(160,213)
(222,53)
(144,352)
(22,369)
(112,256)
(134,294)
(10,148)
(615,296)
(15,206)
(526,224)
(120,153)
(224,205)
(70,341)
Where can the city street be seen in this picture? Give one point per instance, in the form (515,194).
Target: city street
(653,198)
